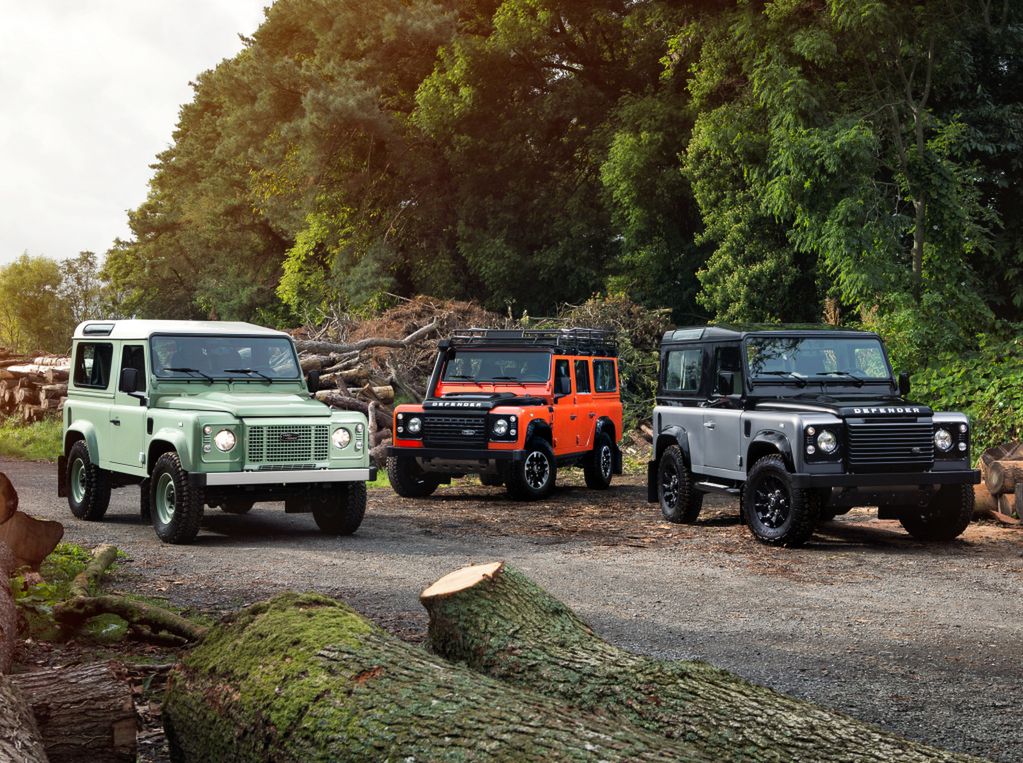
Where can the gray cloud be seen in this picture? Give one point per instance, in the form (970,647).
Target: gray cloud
(90,92)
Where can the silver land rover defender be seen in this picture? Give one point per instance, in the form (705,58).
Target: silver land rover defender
(802,424)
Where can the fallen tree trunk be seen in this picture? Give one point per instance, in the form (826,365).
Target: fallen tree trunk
(304,677)
(324,348)
(83,713)
(19,736)
(1003,476)
(337,400)
(496,620)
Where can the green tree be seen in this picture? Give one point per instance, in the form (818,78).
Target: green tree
(33,314)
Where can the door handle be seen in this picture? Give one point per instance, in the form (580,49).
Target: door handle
(708,424)
(115,422)
(572,417)
(592,414)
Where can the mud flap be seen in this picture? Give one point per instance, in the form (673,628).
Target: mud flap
(651,482)
(62,476)
(617,468)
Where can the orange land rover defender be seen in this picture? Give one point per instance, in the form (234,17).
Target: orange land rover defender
(512,406)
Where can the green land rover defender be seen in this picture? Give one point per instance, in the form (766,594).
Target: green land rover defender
(205,413)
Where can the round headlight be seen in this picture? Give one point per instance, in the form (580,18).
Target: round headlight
(501,427)
(827,441)
(415,425)
(224,440)
(341,438)
(943,439)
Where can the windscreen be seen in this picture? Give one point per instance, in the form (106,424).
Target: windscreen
(224,357)
(817,357)
(492,366)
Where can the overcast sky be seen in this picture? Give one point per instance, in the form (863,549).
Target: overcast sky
(89,92)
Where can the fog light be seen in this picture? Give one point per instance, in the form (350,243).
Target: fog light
(810,450)
(962,446)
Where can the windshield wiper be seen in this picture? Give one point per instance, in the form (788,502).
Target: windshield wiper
(798,379)
(459,376)
(249,371)
(854,377)
(503,378)
(184,370)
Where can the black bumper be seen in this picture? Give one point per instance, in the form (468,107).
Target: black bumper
(893,479)
(458,454)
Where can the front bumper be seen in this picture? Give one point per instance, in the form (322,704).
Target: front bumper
(892,479)
(283,477)
(458,454)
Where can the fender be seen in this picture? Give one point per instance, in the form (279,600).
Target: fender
(673,434)
(176,439)
(777,441)
(539,428)
(88,432)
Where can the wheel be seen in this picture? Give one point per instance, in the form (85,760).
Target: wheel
(946,516)
(534,476)
(408,480)
(177,506)
(237,506)
(88,493)
(340,511)
(680,502)
(599,465)
(491,480)
(778,513)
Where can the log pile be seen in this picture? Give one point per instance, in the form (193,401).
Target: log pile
(999,495)
(32,387)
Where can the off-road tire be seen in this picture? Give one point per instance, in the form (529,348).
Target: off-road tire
(177,505)
(776,512)
(532,478)
(88,493)
(491,480)
(341,510)
(944,518)
(680,502)
(408,480)
(599,465)
(237,506)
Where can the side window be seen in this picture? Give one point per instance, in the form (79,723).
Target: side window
(727,360)
(134,356)
(582,377)
(561,373)
(683,370)
(604,376)
(92,365)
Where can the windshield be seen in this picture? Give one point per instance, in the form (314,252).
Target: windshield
(218,357)
(486,365)
(860,359)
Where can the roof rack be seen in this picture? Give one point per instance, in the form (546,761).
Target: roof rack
(572,341)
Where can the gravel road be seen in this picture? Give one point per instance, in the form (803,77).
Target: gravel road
(924,640)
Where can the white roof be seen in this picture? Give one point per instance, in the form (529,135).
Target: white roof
(139,329)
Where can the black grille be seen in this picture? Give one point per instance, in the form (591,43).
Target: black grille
(879,446)
(455,430)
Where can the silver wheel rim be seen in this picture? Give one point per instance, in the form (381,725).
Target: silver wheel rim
(78,480)
(605,462)
(537,469)
(166,498)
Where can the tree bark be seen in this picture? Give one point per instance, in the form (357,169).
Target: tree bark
(305,678)
(336,400)
(305,345)
(83,713)
(8,612)
(1003,476)
(19,737)
(496,620)
(31,540)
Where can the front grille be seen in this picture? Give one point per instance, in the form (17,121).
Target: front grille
(455,430)
(288,443)
(880,446)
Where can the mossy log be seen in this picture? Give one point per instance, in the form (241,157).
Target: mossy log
(305,678)
(497,621)
(19,736)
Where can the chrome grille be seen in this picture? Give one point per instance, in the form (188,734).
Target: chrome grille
(878,446)
(288,443)
(459,430)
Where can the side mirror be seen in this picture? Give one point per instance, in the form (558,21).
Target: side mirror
(129,381)
(563,386)
(312,381)
(904,383)
(726,383)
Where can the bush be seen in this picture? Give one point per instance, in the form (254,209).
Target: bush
(987,385)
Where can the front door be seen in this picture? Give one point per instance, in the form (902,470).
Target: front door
(128,415)
(722,416)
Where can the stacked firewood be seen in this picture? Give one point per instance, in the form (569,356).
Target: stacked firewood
(1000,493)
(32,387)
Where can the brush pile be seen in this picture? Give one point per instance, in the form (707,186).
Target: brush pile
(32,387)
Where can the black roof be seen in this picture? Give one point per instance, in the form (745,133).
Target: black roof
(731,332)
(571,341)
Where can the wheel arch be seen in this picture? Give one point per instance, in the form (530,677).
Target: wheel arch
(673,435)
(168,441)
(605,426)
(766,443)
(82,430)
(541,429)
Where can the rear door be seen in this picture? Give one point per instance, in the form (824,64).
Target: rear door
(585,413)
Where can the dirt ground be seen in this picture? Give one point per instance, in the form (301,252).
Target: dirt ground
(925,640)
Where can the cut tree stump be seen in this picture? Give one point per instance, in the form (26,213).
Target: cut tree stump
(31,540)
(84,713)
(497,621)
(8,498)
(19,736)
(1003,476)
(305,678)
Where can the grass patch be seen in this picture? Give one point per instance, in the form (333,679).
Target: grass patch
(381,480)
(31,442)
